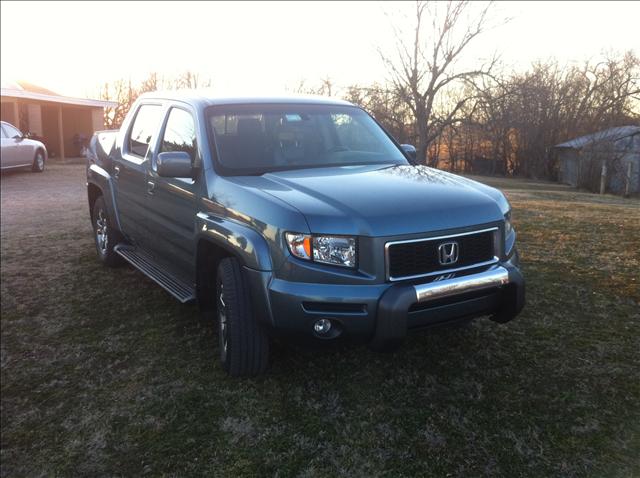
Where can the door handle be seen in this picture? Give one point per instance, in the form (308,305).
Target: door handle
(116,171)
(151,186)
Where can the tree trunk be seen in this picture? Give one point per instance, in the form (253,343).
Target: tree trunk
(421,129)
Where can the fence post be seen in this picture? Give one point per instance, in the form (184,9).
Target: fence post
(603,178)
(627,185)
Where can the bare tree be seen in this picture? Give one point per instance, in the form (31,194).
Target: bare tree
(386,106)
(125,93)
(421,69)
(191,80)
(326,87)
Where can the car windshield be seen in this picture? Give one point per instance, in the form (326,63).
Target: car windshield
(254,139)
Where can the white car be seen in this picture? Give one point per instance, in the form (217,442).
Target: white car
(18,151)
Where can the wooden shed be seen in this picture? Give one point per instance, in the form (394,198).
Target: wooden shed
(61,122)
(581,160)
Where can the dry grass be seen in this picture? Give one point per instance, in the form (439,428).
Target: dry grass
(104,374)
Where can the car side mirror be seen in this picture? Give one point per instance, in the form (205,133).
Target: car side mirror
(410,150)
(18,137)
(174,164)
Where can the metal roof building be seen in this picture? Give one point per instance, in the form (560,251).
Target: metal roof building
(59,121)
(581,159)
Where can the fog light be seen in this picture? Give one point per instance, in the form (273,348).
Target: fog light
(322,326)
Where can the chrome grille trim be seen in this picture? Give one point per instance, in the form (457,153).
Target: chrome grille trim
(496,252)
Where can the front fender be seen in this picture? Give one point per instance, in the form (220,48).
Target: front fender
(99,177)
(250,247)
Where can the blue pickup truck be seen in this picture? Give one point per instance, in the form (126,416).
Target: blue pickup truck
(297,217)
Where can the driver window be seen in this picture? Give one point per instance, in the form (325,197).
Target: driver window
(180,133)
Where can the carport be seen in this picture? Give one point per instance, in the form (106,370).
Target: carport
(61,122)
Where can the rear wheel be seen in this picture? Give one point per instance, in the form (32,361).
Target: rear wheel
(38,162)
(105,235)
(244,343)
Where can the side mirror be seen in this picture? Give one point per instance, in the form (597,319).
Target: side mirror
(174,164)
(18,137)
(410,150)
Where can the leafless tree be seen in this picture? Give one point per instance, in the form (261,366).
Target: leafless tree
(386,106)
(325,87)
(191,80)
(425,66)
(125,93)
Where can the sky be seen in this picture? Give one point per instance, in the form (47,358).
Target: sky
(268,47)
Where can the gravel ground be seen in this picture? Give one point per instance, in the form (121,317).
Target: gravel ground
(40,200)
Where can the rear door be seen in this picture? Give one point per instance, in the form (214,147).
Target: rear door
(171,201)
(130,169)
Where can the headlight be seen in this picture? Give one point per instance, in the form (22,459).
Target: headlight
(299,245)
(508,227)
(337,250)
(334,250)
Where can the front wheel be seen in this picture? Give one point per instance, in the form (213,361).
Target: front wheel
(105,235)
(244,343)
(38,162)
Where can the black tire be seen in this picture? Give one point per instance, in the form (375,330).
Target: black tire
(105,235)
(38,162)
(244,343)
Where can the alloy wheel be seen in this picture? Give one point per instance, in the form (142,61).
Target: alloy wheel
(102,238)
(222,322)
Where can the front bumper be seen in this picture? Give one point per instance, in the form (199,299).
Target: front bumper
(382,314)
(498,291)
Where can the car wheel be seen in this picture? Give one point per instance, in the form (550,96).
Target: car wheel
(105,235)
(38,162)
(244,343)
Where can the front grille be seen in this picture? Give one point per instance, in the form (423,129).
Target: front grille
(408,259)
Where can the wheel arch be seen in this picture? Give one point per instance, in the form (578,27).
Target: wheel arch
(41,149)
(239,240)
(208,257)
(93,193)
(219,238)
(99,183)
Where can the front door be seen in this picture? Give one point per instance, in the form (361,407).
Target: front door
(171,201)
(12,155)
(129,172)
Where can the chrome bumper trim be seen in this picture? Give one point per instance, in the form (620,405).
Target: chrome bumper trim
(494,277)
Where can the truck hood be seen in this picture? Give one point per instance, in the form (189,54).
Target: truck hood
(383,200)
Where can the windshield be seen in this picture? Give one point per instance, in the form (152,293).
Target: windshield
(254,139)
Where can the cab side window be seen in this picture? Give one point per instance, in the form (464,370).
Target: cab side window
(144,126)
(180,133)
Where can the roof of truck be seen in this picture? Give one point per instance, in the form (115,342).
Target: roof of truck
(209,98)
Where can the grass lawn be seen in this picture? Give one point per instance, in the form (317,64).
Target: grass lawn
(103,373)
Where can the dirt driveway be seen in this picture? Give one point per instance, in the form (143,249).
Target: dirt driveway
(42,200)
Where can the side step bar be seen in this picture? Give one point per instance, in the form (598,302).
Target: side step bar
(145,264)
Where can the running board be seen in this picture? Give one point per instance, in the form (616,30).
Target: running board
(145,264)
